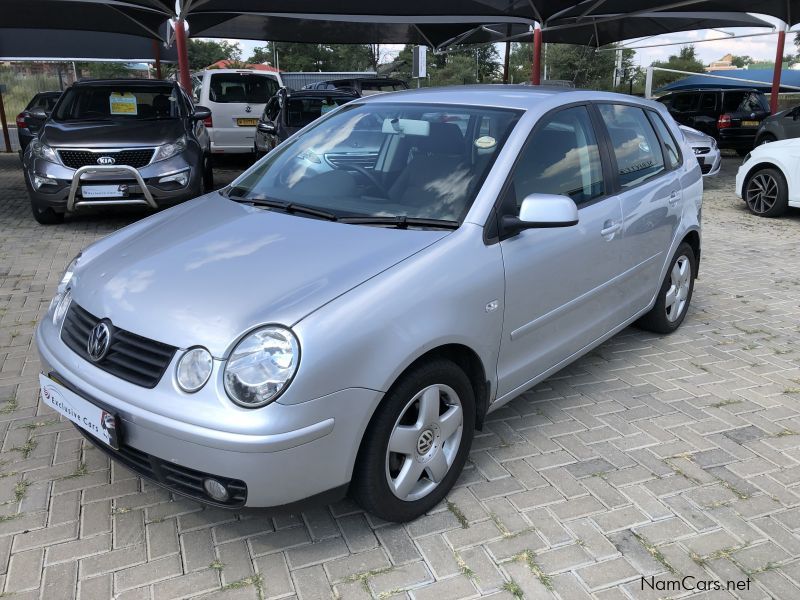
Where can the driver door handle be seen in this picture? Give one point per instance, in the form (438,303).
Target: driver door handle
(610,228)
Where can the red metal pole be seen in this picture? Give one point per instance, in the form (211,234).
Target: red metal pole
(157,57)
(776,75)
(4,124)
(183,57)
(536,72)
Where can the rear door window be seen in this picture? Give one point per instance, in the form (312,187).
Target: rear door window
(708,102)
(636,146)
(684,102)
(246,88)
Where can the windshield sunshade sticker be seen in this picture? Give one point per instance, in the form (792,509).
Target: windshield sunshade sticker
(123,104)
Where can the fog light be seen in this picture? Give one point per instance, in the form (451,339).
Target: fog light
(61,308)
(194,369)
(38,181)
(181,178)
(215,489)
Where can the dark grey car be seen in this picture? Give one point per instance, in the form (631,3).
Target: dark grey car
(118,142)
(782,125)
(33,116)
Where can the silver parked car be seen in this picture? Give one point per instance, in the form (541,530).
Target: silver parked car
(333,323)
(705,150)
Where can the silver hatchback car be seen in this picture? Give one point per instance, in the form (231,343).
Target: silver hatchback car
(343,316)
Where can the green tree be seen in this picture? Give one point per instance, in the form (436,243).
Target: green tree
(318,57)
(685,60)
(740,62)
(203,53)
(103,70)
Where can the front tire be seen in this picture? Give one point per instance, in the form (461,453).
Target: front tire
(416,443)
(675,294)
(46,216)
(766,193)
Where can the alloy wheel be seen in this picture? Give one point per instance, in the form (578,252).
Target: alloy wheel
(678,292)
(762,193)
(424,442)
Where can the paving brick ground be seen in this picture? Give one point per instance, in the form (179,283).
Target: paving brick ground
(660,457)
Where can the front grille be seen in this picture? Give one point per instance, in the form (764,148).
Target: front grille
(702,150)
(181,480)
(131,357)
(75,159)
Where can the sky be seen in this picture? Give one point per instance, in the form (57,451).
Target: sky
(760,48)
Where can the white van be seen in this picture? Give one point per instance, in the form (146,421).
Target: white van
(236,98)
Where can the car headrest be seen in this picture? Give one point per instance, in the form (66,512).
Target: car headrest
(444,138)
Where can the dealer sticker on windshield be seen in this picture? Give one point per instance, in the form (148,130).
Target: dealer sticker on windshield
(123,104)
(485,142)
(100,423)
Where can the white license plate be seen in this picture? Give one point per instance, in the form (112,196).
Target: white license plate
(101,191)
(100,423)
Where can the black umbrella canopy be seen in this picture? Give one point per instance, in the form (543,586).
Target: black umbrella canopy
(288,29)
(133,17)
(606,29)
(785,10)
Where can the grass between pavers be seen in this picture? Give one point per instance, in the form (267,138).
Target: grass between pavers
(257,581)
(529,558)
(654,552)
(465,569)
(451,506)
(364,577)
(512,587)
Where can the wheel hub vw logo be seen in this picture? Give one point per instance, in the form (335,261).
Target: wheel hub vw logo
(106,160)
(425,442)
(99,341)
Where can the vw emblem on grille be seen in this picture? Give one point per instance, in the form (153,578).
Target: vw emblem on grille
(247,109)
(106,160)
(425,442)
(99,341)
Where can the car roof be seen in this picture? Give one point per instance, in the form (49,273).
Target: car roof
(717,89)
(242,71)
(124,81)
(511,96)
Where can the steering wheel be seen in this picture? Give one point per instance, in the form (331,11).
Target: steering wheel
(368,175)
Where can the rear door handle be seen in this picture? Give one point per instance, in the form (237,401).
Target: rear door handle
(673,198)
(611,228)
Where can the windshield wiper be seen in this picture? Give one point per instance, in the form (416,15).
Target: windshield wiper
(402,222)
(288,207)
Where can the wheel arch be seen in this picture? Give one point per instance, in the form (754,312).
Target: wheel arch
(693,239)
(762,164)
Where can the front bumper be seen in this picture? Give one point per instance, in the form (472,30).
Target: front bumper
(301,450)
(153,193)
(710,162)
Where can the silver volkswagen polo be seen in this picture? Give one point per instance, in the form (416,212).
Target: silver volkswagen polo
(344,315)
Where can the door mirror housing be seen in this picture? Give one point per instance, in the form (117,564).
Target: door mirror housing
(39,113)
(266,127)
(540,211)
(201,113)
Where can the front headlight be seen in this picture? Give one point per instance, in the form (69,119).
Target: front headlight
(261,366)
(67,276)
(169,150)
(194,369)
(746,158)
(43,151)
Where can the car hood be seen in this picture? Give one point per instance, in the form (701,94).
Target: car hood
(208,271)
(111,133)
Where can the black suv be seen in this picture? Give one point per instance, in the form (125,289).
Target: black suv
(117,141)
(289,111)
(730,116)
(363,86)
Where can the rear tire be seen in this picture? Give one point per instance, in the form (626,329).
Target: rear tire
(46,216)
(766,193)
(208,174)
(742,152)
(416,443)
(675,293)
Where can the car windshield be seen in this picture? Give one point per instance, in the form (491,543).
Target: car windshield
(111,102)
(301,111)
(249,88)
(384,160)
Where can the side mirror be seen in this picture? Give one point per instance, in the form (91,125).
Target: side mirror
(39,113)
(266,127)
(542,211)
(201,113)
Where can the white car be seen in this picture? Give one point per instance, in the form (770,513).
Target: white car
(768,179)
(705,150)
(236,98)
